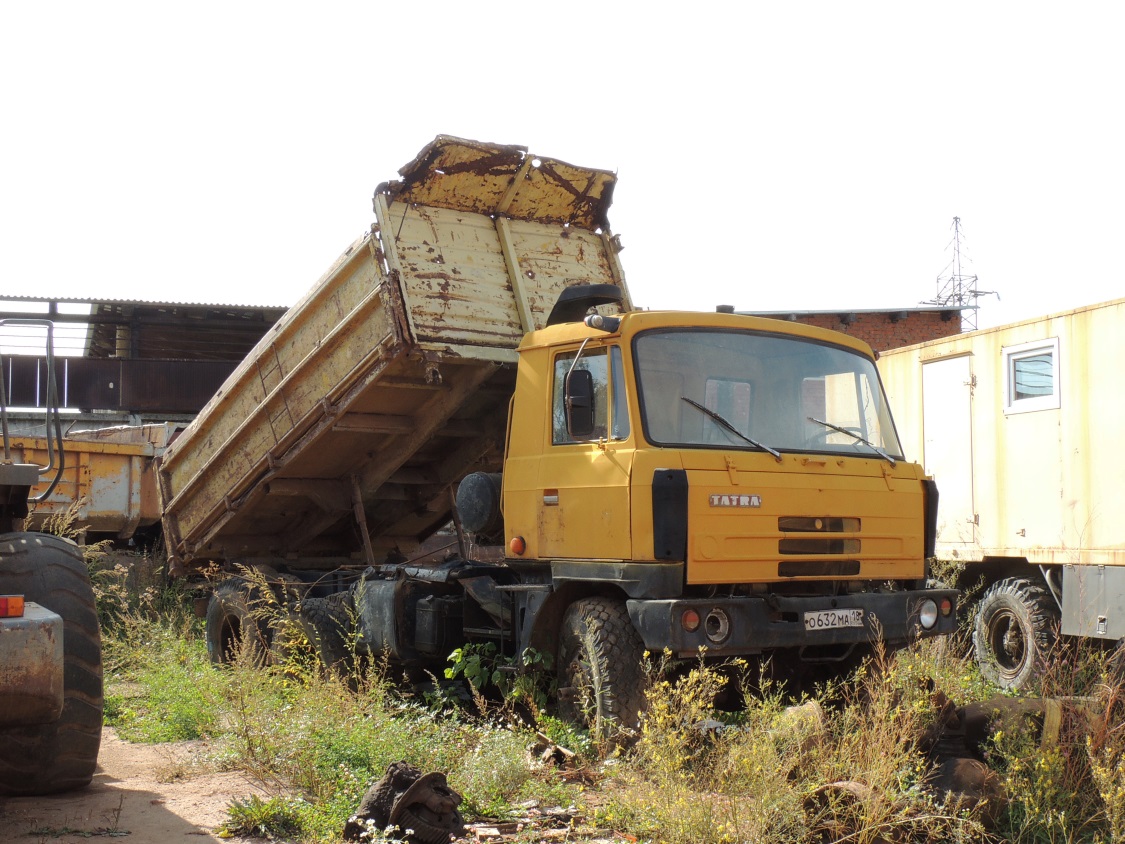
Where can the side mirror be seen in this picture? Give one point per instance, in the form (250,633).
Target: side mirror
(580,404)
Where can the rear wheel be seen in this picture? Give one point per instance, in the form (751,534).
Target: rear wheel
(231,624)
(1015,626)
(326,622)
(601,676)
(61,755)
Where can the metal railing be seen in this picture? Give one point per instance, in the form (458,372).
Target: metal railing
(55,455)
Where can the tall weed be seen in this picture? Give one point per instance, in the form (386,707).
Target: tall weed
(697,775)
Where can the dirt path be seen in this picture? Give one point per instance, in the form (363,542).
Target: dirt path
(142,794)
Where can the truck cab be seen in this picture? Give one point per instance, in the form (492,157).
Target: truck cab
(737,481)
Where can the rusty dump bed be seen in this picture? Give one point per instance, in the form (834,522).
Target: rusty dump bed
(390,379)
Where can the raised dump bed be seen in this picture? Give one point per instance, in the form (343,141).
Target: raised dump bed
(341,436)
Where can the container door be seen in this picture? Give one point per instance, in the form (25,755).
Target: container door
(947,420)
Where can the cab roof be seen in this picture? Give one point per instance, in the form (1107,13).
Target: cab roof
(634,322)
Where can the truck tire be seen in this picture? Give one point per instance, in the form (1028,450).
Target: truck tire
(230,618)
(62,755)
(326,622)
(600,672)
(1015,627)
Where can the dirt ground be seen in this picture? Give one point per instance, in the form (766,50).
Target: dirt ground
(143,794)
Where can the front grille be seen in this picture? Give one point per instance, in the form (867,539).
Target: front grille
(818,541)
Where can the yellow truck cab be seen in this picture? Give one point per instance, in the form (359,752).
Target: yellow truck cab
(738,481)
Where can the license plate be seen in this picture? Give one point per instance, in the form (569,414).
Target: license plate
(833,619)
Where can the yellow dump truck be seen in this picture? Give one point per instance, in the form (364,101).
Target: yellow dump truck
(619,479)
(50,643)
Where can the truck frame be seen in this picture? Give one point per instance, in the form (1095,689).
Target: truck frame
(618,479)
(1020,424)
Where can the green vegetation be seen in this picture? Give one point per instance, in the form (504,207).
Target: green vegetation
(761,773)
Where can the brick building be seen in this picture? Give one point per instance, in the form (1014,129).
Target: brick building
(881,329)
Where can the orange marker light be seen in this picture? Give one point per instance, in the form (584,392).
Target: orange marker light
(517,546)
(690,620)
(11,606)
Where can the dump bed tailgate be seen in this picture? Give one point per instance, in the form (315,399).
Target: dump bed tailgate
(390,379)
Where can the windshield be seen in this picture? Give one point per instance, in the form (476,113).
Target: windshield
(763,391)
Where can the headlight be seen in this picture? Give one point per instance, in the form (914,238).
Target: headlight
(927,614)
(717,625)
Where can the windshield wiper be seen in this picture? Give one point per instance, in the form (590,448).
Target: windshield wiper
(854,436)
(723,423)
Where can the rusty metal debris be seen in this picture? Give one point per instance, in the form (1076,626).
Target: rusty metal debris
(957,745)
(422,807)
(959,740)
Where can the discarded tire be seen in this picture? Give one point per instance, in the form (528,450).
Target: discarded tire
(62,755)
(1015,627)
(601,678)
(422,807)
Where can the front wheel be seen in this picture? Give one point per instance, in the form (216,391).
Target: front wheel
(601,675)
(1015,627)
(62,755)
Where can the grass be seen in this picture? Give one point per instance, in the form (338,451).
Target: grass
(694,774)
(318,742)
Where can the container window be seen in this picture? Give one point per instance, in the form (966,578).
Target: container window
(1031,375)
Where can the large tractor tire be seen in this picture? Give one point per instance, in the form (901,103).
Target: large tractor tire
(62,755)
(1016,626)
(600,671)
(232,625)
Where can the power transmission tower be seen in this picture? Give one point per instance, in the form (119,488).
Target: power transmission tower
(957,289)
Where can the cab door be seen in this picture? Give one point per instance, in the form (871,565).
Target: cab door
(585,482)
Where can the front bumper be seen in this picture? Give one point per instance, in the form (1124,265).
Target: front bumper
(756,624)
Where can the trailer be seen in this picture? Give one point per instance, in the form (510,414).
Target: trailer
(107,488)
(1020,424)
(698,482)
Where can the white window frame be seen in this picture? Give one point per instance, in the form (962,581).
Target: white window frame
(1011,354)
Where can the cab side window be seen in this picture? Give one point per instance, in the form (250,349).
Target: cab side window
(596,363)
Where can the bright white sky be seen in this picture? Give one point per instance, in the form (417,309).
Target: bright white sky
(771,155)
